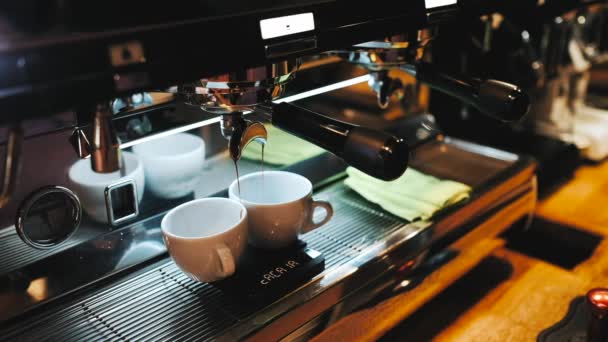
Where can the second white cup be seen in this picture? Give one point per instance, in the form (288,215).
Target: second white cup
(279,206)
(173,164)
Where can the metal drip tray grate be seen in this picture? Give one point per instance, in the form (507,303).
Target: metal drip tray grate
(163,304)
(369,227)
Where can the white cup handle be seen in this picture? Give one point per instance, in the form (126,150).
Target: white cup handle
(329,212)
(226,264)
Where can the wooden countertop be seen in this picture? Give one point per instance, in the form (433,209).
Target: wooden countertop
(534,294)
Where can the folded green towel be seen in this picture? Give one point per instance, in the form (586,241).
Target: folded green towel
(282,148)
(412,196)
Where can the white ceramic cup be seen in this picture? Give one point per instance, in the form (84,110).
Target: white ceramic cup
(90,186)
(279,206)
(173,164)
(206,237)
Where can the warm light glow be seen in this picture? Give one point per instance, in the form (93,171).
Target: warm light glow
(599,298)
(407,266)
(38,289)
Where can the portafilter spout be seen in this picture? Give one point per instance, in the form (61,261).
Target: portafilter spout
(241,132)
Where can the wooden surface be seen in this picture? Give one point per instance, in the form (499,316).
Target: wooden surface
(582,202)
(371,323)
(533,295)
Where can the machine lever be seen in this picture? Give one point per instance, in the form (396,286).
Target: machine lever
(374,152)
(500,100)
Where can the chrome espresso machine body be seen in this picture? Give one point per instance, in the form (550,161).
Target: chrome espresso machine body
(86,87)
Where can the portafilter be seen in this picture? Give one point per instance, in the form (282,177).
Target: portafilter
(500,100)
(376,153)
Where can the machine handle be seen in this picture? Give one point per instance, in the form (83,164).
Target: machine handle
(376,153)
(500,100)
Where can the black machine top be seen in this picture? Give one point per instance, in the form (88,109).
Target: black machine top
(57,55)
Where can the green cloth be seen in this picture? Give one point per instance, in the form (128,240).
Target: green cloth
(281,148)
(412,196)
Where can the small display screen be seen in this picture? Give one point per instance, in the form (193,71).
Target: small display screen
(439,3)
(287,25)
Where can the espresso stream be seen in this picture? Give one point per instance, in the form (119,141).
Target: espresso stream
(238,180)
(264,145)
(236,168)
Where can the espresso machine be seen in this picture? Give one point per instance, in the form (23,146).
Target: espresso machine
(563,113)
(547,49)
(92,95)
(586,52)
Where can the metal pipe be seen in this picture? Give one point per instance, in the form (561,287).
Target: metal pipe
(105,147)
(11,164)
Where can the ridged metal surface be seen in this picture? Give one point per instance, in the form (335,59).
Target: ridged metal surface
(163,304)
(370,226)
(13,246)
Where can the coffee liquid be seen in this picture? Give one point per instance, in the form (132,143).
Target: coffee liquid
(238,181)
(236,168)
(263,145)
